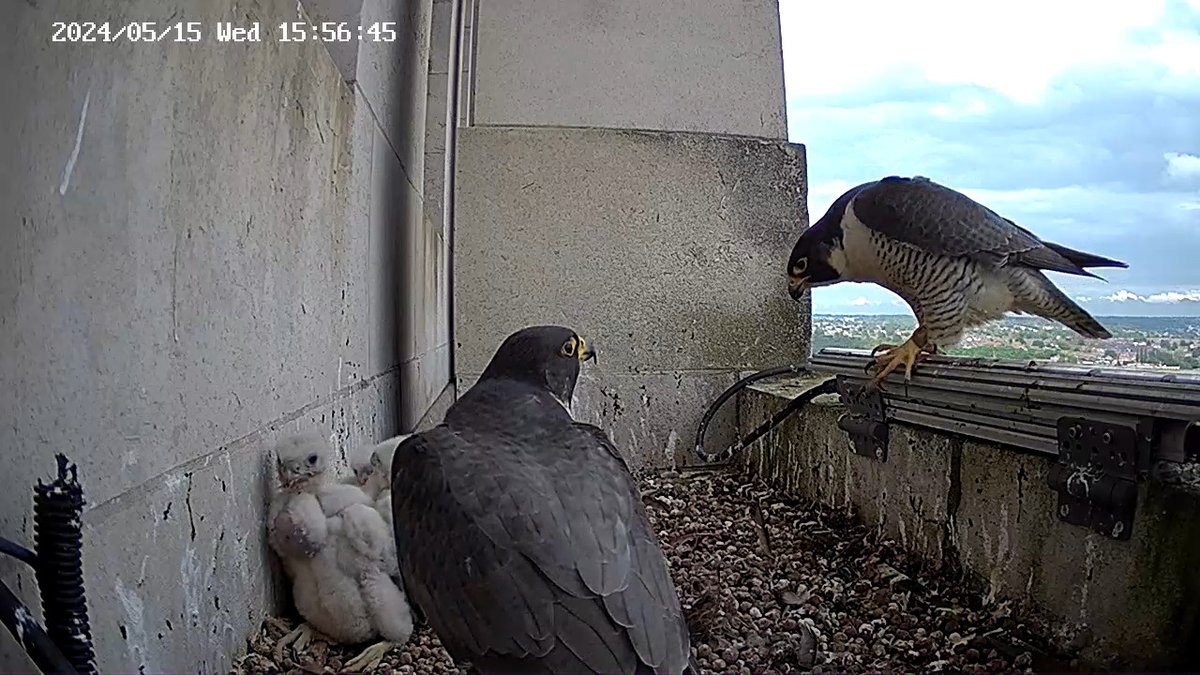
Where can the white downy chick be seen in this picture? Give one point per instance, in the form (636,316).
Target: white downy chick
(338,552)
(371,467)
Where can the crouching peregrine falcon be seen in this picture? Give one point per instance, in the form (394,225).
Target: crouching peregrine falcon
(521,533)
(957,263)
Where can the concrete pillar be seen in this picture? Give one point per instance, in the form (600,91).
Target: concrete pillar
(624,172)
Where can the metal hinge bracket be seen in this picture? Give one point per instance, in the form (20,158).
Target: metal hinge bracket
(1096,474)
(865,421)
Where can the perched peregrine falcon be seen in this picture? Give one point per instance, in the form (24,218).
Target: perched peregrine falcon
(956,262)
(521,533)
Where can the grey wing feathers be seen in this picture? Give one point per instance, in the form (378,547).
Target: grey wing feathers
(534,570)
(935,218)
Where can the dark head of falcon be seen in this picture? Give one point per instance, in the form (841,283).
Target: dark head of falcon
(544,356)
(816,258)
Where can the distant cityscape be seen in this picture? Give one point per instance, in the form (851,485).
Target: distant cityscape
(1171,343)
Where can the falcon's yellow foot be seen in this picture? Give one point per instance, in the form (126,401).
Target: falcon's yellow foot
(298,639)
(894,356)
(369,659)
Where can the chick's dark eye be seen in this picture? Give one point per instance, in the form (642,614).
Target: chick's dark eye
(312,459)
(568,348)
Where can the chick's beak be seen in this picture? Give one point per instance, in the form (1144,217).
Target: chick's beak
(586,352)
(797,286)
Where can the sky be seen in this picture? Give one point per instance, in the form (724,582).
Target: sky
(1079,120)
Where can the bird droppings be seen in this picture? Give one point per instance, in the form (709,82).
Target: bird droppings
(772,585)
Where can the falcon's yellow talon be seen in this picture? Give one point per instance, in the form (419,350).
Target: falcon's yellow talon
(369,659)
(892,357)
(298,639)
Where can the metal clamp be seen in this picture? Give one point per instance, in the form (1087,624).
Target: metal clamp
(865,421)
(1096,475)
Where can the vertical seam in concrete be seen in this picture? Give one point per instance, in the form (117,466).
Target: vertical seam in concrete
(953,500)
(472,60)
(452,94)
(369,161)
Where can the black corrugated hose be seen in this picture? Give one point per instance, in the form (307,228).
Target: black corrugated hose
(58,543)
(66,646)
(827,387)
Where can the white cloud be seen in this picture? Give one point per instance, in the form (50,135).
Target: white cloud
(1182,166)
(1166,297)
(1122,296)
(993,45)
(1175,296)
(860,301)
(1083,298)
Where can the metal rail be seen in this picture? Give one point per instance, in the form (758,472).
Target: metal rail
(1020,404)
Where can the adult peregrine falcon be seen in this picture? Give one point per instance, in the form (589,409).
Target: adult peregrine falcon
(521,533)
(956,262)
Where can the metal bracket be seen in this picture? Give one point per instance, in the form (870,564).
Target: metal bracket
(865,421)
(1096,474)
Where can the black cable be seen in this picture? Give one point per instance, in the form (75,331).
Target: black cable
(14,550)
(20,622)
(827,387)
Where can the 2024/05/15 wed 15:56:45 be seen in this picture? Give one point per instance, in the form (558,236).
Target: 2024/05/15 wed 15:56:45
(337,31)
(225,31)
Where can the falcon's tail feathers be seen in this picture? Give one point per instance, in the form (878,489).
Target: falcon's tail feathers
(1081,322)
(1038,295)
(1084,260)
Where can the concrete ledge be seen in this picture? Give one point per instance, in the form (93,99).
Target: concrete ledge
(1133,604)
(666,250)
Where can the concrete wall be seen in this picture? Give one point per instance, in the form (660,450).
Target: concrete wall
(1134,605)
(657,247)
(202,253)
(714,66)
(664,246)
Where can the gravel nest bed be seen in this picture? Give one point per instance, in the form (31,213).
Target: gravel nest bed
(771,585)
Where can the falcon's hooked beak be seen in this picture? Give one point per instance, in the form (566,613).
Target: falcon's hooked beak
(585,352)
(797,286)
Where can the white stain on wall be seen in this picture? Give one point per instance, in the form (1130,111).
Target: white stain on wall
(70,167)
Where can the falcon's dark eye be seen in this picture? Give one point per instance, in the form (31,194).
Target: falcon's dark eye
(568,348)
(312,459)
(799,267)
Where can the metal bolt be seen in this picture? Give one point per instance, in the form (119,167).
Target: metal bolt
(1118,529)
(1064,510)
(879,454)
(1107,437)
(1074,431)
